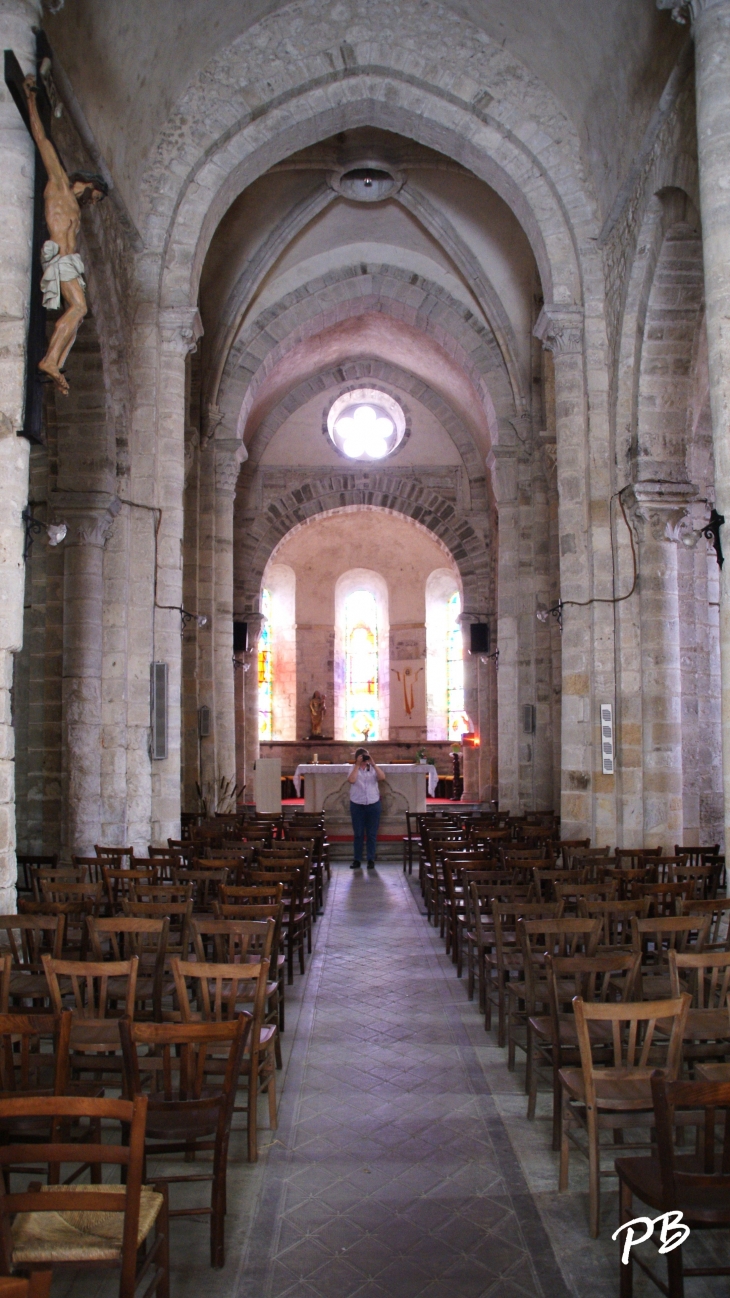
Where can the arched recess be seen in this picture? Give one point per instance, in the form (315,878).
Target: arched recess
(466,540)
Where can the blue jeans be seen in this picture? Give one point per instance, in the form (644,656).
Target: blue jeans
(365,821)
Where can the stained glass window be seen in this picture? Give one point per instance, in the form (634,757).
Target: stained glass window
(266,672)
(361,657)
(454,671)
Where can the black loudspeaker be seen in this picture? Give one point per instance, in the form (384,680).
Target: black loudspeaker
(479,638)
(240,637)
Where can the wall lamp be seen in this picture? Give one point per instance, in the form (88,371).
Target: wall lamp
(185,618)
(486,657)
(556,611)
(33,527)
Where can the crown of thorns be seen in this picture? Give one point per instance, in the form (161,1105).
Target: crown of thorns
(90,178)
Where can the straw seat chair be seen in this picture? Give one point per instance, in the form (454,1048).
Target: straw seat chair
(88,1226)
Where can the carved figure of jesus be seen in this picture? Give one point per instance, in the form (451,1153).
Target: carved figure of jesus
(317,709)
(63,269)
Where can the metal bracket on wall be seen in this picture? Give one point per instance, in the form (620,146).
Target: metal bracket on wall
(712,532)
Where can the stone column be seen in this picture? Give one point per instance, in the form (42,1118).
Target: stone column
(180,329)
(560,330)
(16,220)
(711,27)
(656,509)
(89,522)
(227,464)
(251,702)
(502,463)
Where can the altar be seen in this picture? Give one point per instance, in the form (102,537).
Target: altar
(404,789)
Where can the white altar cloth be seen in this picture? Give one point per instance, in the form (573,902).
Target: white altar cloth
(407,778)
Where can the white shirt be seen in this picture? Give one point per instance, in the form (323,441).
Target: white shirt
(365,787)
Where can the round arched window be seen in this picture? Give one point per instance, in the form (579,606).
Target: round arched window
(366,424)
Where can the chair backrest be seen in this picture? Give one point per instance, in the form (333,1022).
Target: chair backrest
(176,894)
(179,914)
(695,855)
(254,894)
(174,1068)
(233,940)
(90,985)
(26,1063)
(218,989)
(60,874)
(573,893)
(59,1110)
(569,935)
(123,936)
(634,1042)
(615,917)
(633,857)
(654,938)
(119,883)
(593,977)
(70,893)
(718,911)
(704,974)
(665,899)
(704,877)
(26,937)
(677,1182)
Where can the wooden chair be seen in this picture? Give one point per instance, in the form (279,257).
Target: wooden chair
(74,915)
(188,1110)
(178,913)
(122,936)
(277,968)
(119,885)
(705,975)
(693,1186)
(536,937)
(696,855)
(635,858)
(554,1036)
(654,939)
(617,1096)
(37,1285)
(59,1225)
(218,990)
(226,940)
(27,862)
(506,958)
(665,899)
(115,856)
(205,882)
(59,874)
(295,915)
(615,917)
(99,995)
(571,894)
(26,938)
(718,911)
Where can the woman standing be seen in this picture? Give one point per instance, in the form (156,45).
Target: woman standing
(365,779)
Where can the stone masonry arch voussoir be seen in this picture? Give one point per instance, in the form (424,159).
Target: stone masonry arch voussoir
(313,496)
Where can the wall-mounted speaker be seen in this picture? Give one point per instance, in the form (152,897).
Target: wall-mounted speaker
(240,637)
(528,718)
(158,710)
(204,722)
(479,638)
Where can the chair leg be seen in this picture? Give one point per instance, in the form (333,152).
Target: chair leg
(564,1173)
(271,1092)
(218,1214)
(531,1075)
(626,1280)
(253,1089)
(675,1273)
(557,1095)
(594,1177)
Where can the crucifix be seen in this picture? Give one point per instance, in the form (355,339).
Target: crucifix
(57,202)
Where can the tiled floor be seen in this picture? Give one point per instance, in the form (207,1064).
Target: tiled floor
(392,1174)
(403,1164)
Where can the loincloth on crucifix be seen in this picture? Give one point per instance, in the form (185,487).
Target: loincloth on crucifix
(58,267)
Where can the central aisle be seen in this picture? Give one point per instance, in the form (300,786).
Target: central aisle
(392,1173)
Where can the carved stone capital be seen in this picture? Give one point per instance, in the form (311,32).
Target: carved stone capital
(180,328)
(688,11)
(88,515)
(91,528)
(660,511)
(227,466)
(560,328)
